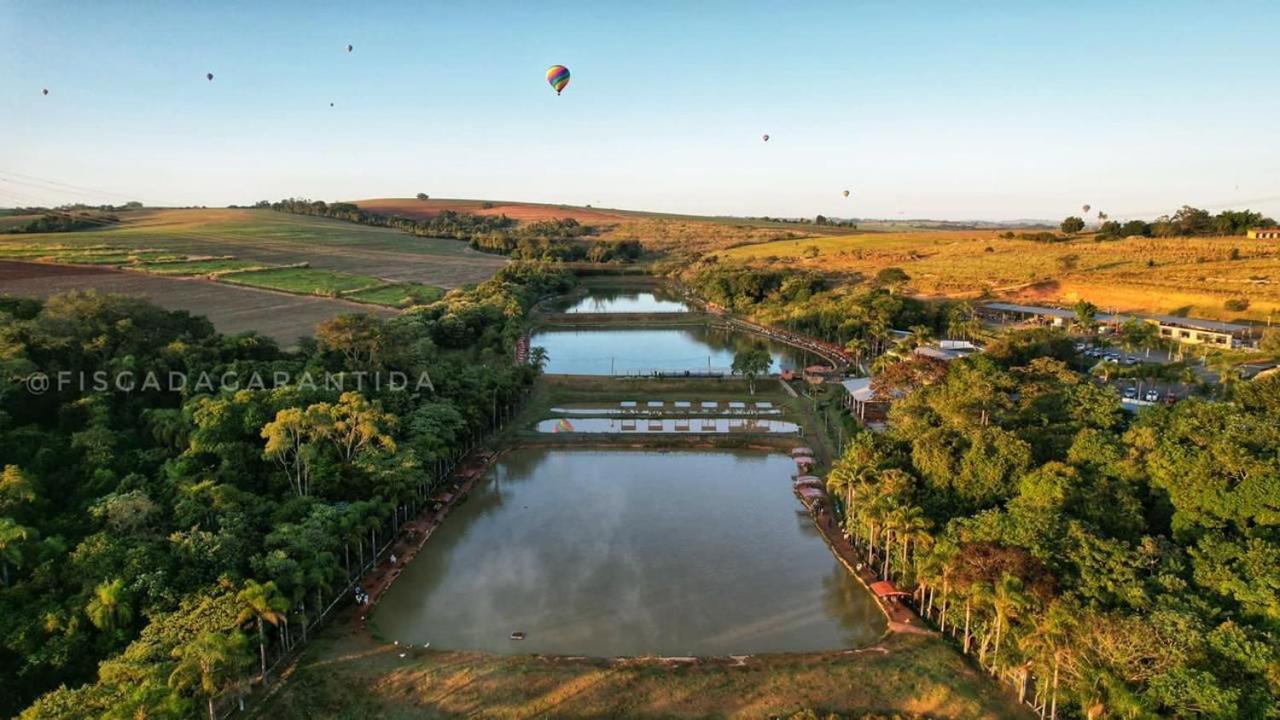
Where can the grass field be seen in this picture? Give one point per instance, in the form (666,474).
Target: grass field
(1192,276)
(304,281)
(264,237)
(346,674)
(198,267)
(398,295)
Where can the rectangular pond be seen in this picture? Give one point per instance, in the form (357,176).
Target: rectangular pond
(630,552)
(623,300)
(631,351)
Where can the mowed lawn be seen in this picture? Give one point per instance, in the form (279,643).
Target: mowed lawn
(1194,276)
(264,237)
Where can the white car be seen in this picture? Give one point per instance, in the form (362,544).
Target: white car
(1152,396)
(1131,393)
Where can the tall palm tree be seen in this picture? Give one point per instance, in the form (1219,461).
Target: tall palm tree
(209,664)
(262,603)
(1008,600)
(912,528)
(108,609)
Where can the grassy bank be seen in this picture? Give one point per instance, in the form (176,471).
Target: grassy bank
(347,674)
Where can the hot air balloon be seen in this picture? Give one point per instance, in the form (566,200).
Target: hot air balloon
(1085,208)
(209,76)
(558,77)
(350,48)
(765,137)
(846,193)
(44,91)
(330,104)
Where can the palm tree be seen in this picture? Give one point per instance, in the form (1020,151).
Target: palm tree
(108,609)
(209,664)
(857,347)
(920,335)
(911,527)
(1106,370)
(1008,599)
(261,603)
(538,357)
(12,537)
(1086,319)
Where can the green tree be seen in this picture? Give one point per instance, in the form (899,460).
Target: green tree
(752,363)
(109,607)
(13,538)
(1072,225)
(209,664)
(262,603)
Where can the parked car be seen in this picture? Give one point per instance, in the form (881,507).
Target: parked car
(1131,393)
(1152,396)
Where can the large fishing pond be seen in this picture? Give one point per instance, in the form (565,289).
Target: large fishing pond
(630,552)
(639,351)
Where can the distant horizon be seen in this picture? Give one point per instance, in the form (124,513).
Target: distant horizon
(1011,222)
(996,110)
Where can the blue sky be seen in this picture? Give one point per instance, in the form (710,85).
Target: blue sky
(956,110)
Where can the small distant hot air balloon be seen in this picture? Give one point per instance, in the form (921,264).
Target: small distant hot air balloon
(558,77)
(765,137)
(209,77)
(330,104)
(350,48)
(1085,208)
(44,91)
(846,193)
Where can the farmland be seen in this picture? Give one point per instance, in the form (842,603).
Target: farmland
(254,255)
(269,238)
(231,309)
(1191,276)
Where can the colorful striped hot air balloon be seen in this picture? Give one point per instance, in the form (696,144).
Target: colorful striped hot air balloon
(558,77)
(564,426)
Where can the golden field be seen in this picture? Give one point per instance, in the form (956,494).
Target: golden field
(1193,276)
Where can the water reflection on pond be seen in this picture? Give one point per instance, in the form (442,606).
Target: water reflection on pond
(623,300)
(694,348)
(628,552)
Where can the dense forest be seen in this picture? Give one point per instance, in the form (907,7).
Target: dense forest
(161,548)
(1104,565)
(558,240)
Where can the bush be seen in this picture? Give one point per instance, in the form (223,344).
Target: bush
(1236,304)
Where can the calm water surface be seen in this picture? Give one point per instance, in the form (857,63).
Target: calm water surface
(695,348)
(619,552)
(624,300)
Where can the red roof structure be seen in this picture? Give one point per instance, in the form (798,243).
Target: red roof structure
(884,588)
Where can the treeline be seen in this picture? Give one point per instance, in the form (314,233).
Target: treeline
(159,548)
(556,240)
(1188,222)
(53,222)
(817,220)
(1104,567)
(860,317)
(446,224)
